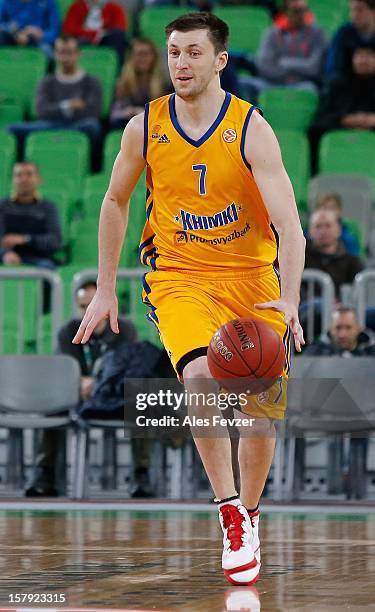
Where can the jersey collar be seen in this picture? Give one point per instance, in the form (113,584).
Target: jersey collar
(210,131)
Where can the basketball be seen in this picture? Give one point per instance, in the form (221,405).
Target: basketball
(245,355)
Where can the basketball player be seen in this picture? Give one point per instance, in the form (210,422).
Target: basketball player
(215,183)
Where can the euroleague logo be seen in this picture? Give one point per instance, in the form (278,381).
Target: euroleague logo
(229,135)
(155,132)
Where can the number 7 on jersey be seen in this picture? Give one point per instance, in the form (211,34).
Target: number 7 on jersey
(202,168)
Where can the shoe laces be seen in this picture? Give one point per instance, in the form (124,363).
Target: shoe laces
(233,523)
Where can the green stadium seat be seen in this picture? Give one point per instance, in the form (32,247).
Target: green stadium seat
(111,149)
(101,62)
(340,5)
(287,108)
(296,156)
(62,157)
(246,26)
(153,20)
(346,12)
(63,7)
(84,250)
(21,70)
(137,219)
(21,307)
(94,189)
(93,193)
(65,206)
(8,152)
(11,111)
(348,152)
(329,16)
(95,182)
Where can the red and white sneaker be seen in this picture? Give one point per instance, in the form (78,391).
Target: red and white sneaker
(238,561)
(254,520)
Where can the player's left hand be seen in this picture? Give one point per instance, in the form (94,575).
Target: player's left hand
(290,317)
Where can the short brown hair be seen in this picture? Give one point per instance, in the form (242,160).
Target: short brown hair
(218,31)
(27,162)
(324,197)
(65,38)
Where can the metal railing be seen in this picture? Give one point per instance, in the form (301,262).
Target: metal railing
(326,296)
(360,293)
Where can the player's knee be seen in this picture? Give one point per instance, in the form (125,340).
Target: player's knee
(260,427)
(197,369)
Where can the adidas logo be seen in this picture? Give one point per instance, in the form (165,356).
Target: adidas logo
(164,139)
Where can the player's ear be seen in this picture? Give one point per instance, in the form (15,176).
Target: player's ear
(221,60)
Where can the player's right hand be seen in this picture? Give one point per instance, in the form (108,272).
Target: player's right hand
(102,306)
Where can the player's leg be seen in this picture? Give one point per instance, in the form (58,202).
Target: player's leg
(257,444)
(214,451)
(214,447)
(183,312)
(255,455)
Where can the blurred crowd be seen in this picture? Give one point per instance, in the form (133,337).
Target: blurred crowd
(295,53)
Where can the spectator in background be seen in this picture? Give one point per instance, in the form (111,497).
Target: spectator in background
(349,101)
(346,339)
(69,99)
(332,201)
(30,230)
(282,18)
(291,54)
(88,357)
(141,81)
(29,23)
(98,22)
(358,33)
(325,251)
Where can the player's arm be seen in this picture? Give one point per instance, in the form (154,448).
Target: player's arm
(262,151)
(113,221)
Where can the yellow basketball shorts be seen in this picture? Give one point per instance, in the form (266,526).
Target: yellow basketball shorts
(188,308)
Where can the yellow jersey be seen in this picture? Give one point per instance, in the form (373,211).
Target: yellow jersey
(204,210)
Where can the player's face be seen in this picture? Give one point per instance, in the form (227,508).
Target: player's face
(344,330)
(25,179)
(192,62)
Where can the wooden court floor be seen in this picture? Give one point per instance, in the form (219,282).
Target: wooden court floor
(170,560)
